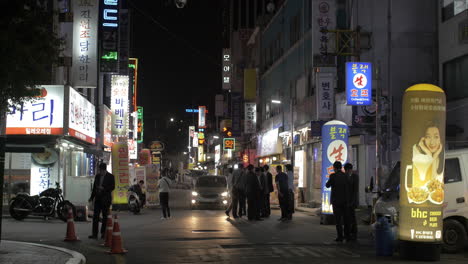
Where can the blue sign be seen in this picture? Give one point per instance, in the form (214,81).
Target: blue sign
(334,148)
(359,83)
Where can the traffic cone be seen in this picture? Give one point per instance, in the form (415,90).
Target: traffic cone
(108,234)
(116,243)
(70,236)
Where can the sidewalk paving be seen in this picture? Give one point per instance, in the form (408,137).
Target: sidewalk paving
(13,252)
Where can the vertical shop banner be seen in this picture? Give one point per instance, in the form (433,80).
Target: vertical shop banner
(325,95)
(359,83)
(133,73)
(44,171)
(120,169)
(85,44)
(124,41)
(250,84)
(202,117)
(41,116)
(300,162)
(109,35)
(152,176)
(81,118)
(106,114)
(227,69)
(236,111)
(132,149)
(422,164)
(324,18)
(119,105)
(217,156)
(140,124)
(250,118)
(334,148)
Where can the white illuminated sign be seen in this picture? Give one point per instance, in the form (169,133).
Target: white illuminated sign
(85,43)
(82,120)
(119,105)
(217,153)
(250,118)
(41,116)
(299,161)
(227,69)
(202,117)
(110,13)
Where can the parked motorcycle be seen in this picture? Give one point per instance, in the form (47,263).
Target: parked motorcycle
(135,202)
(48,203)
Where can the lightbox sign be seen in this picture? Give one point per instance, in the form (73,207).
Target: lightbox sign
(133,68)
(132,149)
(359,83)
(202,117)
(120,170)
(41,116)
(422,164)
(217,155)
(229,143)
(85,44)
(300,162)
(250,118)
(82,118)
(119,105)
(325,95)
(109,24)
(227,69)
(334,148)
(107,125)
(140,124)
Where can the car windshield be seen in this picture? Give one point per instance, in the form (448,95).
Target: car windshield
(211,181)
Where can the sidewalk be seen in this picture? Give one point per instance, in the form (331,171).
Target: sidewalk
(12,252)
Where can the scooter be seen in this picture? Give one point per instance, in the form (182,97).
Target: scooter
(135,202)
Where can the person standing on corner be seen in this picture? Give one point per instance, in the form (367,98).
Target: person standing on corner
(283,192)
(269,189)
(164,185)
(104,184)
(242,189)
(353,183)
(339,199)
(252,191)
(290,173)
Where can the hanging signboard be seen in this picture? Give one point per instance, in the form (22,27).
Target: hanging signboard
(227,69)
(119,105)
(81,118)
(334,148)
(120,169)
(41,116)
(140,124)
(422,164)
(250,118)
(85,44)
(359,83)
(202,117)
(325,95)
(229,143)
(107,126)
(109,24)
(152,176)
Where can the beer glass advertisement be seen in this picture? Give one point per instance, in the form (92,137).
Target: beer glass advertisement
(335,148)
(422,164)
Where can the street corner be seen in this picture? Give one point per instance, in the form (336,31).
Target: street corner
(16,252)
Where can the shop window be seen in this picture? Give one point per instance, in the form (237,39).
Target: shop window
(452,171)
(455,78)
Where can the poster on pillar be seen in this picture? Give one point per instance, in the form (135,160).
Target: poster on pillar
(152,176)
(422,164)
(120,169)
(334,148)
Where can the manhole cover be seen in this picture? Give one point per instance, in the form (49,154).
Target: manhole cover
(205,231)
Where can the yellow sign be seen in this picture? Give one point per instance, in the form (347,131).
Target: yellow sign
(120,169)
(422,164)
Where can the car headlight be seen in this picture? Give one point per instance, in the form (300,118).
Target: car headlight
(194,194)
(224,194)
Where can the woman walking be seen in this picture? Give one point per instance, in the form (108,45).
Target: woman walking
(164,187)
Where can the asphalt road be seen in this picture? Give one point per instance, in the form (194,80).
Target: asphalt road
(209,236)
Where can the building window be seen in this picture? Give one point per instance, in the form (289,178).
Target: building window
(455,78)
(452,8)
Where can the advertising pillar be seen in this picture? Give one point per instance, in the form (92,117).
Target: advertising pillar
(120,169)
(422,172)
(334,148)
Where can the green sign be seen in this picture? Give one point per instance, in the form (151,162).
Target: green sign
(139,124)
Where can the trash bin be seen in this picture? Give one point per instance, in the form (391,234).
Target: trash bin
(384,236)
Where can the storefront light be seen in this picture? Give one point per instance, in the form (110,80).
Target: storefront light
(274,158)
(267,160)
(261,161)
(64,144)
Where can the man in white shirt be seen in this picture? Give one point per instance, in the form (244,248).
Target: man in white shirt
(164,185)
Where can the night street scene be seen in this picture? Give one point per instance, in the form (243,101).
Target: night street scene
(233,131)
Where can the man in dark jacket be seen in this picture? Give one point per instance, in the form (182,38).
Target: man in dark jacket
(104,184)
(353,184)
(283,192)
(252,191)
(339,199)
(269,189)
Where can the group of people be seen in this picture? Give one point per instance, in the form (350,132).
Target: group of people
(345,199)
(253,186)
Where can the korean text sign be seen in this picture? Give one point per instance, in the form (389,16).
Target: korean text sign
(85,46)
(227,70)
(359,83)
(202,117)
(229,143)
(250,118)
(82,120)
(121,172)
(325,83)
(422,164)
(119,105)
(41,116)
(334,148)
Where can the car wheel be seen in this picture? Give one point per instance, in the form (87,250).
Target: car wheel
(455,236)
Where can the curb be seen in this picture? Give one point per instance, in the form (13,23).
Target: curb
(76,257)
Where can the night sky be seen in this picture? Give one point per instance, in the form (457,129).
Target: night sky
(179,67)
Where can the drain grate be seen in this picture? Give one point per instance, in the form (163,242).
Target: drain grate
(206,231)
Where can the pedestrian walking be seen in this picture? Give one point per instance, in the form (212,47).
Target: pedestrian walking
(259,172)
(290,173)
(230,185)
(252,191)
(281,181)
(269,189)
(353,184)
(104,184)
(164,186)
(339,199)
(242,190)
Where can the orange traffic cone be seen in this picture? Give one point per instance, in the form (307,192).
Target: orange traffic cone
(108,234)
(70,236)
(116,247)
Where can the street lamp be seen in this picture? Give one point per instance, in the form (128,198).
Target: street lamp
(172,119)
(276,101)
